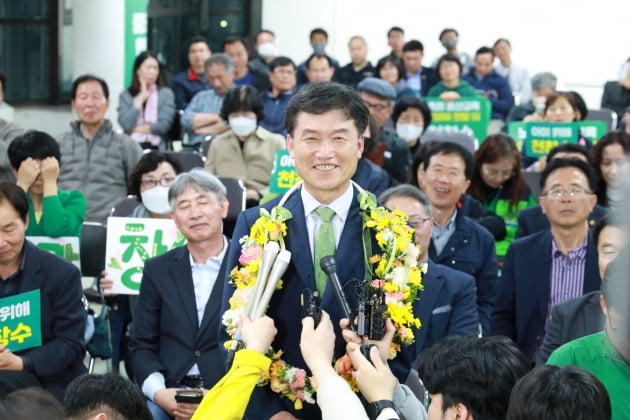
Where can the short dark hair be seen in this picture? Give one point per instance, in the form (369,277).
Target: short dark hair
(395,29)
(31,403)
(134,89)
(147,163)
(320,31)
(196,39)
(88,78)
(484,50)
(551,393)
(314,56)
(16,197)
(476,372)
(413,45)
(233,39)
(242,99)
(89,393)
(264,31)
(451,58)
(559,163)
(32,144)
(449,148)
(575,100)
(445,31)
(321,97)
(395,61)
(281,61)
(608,219)
(412,101)
(568,148)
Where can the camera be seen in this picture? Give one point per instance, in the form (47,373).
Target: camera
(371,313)
(192,396)
(312,307)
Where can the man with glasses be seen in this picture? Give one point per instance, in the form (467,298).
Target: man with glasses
(282,76)
(549,267)
(448,303)
(173,340)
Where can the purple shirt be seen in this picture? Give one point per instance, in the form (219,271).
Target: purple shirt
(567,275)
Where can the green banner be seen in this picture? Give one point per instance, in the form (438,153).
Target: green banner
(66,247)
(466,115)
(283,174)
(21,322)
(136,22)
(540,138)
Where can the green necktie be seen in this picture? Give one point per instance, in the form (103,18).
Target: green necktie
(324,245)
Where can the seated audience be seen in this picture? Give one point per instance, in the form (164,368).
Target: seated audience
(246,151)
(147,108)
(244,75)
(553,393)
(318,40)
(193,80)
(35,157)
(31,404)
(396,40)
(369,175)
(451,86)
(411,117)
(266,51)
(417,77)
(104,397)
(516,75)
(616,95)
(542,85)
(471,378)
(8,132)
(359,67)
(391,69)
(449,38)
(610,160)
(282,77)
(319,68)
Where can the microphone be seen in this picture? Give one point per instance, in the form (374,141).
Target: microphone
(279,267)
(329,266)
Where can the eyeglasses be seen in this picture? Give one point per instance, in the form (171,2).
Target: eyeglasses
(558,193)
(417,221)
(165,182)
(376,107)
(495,174)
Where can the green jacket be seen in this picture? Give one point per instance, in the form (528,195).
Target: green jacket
(464,89)
(62,215)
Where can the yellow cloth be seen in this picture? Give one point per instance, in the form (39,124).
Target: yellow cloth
(38,216)
(228,399)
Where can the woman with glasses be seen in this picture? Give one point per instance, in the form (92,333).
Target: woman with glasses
(498,183)
(611,163)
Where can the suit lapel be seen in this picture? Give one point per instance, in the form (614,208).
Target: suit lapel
(298,243)
(592,281)
(181,275)
(541,272)
(30,280)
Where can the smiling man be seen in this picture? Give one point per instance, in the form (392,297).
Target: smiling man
(552,266)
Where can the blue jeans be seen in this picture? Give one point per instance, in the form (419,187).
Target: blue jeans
(157,412)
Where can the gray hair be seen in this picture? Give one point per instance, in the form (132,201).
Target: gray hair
(541,80)
(222,59)
(409,191)
(197,178)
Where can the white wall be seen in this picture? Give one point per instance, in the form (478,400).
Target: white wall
(583,42)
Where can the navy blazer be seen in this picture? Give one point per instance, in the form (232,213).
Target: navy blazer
(471,250)
(285,308)
(429,78)
(523,300)
(165,334)
(572,319)
(446,306)
(59,359)
(532,220)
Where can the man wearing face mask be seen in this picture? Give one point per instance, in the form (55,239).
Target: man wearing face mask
(449,39)
(411,117)
(267,50)
(319,40)
(607,354)
(246,151)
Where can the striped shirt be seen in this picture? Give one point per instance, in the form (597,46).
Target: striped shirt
(567,275)
(205,102)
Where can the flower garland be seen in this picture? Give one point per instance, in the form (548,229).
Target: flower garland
(395,270)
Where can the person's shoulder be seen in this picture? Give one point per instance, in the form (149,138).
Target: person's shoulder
(572,305)
(168,257)
(476,229)
(181,77)
(531,240)
(579,350)
(267,135)
(52,264)
(165,91)
(70,195)
(453,276)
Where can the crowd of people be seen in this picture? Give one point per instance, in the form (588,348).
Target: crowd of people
(524,307)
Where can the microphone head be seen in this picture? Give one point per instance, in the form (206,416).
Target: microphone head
(328,264)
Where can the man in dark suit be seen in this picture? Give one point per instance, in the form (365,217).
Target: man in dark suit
(24,267)
(583,315)
(173,336)
(552,266)
(448,303)
(417,77)
(325,122)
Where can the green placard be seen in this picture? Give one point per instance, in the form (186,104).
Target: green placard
(283,174)
(20,321)
(136,22)
(591,130)
(66,247)
(540,138)
(466,115)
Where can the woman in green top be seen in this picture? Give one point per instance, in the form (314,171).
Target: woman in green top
(52,212)
(451,87)
(498,183)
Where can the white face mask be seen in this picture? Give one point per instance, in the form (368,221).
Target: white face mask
(408,132)
(156,200)
(243,126)
(267,49)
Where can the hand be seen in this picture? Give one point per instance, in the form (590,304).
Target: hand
(141,97)
(9,361)
(253,194)
(352,338)
(258,335)
(535,117)
(449,96)
(49,169)
(106,284)
(375,380)
(317,344)
(185,411)
(283,415)
(27,173)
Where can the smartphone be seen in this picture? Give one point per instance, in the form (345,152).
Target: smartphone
(193,396)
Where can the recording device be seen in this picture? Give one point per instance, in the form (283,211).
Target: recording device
(329,266)
(192,396)
(312,307)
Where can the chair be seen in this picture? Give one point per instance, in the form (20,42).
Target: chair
(92,246)
(124,207)
(607,115)
(236,195)
(205,146)
(188,160)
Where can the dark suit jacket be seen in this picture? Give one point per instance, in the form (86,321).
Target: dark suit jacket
(570,320)
(165,334)
(447,306)
(532,220)
(285,307)
(60,357)
(471,250)
(429,78)
(522,304)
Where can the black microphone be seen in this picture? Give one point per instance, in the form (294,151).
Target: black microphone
(329,266)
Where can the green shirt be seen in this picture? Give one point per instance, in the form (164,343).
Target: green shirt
(596,354)
(62,215)
(464,89)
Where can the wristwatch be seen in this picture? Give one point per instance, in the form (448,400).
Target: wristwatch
(375,408)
